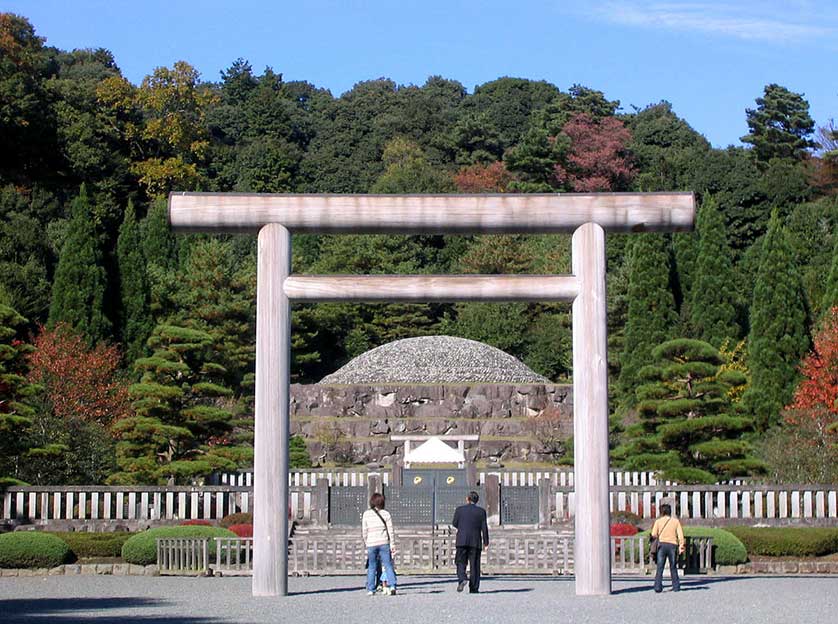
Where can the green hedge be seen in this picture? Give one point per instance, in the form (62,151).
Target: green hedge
(788,541)
(32,549)
(141,548)
(727,548)
(89,545)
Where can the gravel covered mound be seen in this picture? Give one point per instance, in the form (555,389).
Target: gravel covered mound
(433,360)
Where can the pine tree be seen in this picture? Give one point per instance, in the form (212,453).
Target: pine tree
(830,296)
(16,394)
(136,323)
(688,427)
(713,294)
(160,246)
(778,338)
(651,308)
(298,455)
(78,291)
(182,422)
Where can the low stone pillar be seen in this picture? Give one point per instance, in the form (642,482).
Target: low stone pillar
(374,485)
(545,497)
(320,503)
(492,486)
(471,474)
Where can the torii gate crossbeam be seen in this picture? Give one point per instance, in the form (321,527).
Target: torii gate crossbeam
(276,217)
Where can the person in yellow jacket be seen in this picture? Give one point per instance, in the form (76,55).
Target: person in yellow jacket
(670,537)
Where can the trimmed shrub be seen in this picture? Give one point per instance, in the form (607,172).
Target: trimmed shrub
(196,523)
(242,530)
(621,529)
(236,518)
(727,548)
(626,517)
(32,549)
(788,541)
(141,548)
(88,545)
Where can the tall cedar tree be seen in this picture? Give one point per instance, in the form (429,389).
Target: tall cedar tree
(779,336)
(16,394)
(830,296)
(651,308)
(713,313)
(78,291)
(136,323)
(686,426)
(181,423)
(780,125)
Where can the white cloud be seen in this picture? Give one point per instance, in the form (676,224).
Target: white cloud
(780,22)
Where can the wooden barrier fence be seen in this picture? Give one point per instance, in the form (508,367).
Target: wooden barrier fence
(417,554)
(183,556)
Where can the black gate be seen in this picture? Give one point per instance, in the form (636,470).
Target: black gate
(519,505)
(429,496)
(347,505)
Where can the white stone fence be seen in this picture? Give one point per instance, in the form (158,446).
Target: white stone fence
(744,503)
(748,503)
(134,503)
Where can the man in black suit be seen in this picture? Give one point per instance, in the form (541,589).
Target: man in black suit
(472,538)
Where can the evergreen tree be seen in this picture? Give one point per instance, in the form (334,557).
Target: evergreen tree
(136,322)
(16,396)
(713,295)
(688,428)
(780,125)
(778,337)
(830,296)
(651,308)
(298,455)
(78,292)
(183,416)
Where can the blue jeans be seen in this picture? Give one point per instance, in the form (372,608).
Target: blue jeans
(380,554)
(667,551)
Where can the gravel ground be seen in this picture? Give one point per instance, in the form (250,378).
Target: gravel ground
(423,600)
(434,359)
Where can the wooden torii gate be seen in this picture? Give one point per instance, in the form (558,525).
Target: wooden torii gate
(276,216)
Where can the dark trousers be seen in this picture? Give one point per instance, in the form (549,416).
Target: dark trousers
(471,556)
(667,552)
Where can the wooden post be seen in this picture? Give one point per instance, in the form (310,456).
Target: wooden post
(544,501)
(492,486)
(273,345)
(590,414)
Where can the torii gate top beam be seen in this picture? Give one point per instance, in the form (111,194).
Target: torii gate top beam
(432,214)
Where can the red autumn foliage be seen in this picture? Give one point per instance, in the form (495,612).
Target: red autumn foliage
(242,530)
(819,388)
(597,160)
(621,529)
(79,382)
(493,178)
(196,523)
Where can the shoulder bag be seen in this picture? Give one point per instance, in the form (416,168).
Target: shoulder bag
(653,542)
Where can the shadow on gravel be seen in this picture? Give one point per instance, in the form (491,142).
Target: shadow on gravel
(360,588)
(686,585)
(66,611)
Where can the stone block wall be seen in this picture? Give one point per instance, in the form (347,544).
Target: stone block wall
(354,423)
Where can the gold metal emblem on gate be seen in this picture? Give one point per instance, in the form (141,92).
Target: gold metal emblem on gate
(417,480)
(450,479)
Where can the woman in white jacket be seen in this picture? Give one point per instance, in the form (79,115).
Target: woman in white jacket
(380,540)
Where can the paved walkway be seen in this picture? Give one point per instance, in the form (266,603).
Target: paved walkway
(421,600)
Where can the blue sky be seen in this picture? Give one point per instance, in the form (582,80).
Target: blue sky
(710,59)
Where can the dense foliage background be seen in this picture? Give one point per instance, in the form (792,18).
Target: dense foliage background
(126,354)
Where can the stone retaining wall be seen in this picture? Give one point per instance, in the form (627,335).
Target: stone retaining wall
(781,567)
(88,569)
(515,422)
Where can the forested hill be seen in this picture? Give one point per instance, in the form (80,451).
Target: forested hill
(89,269)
